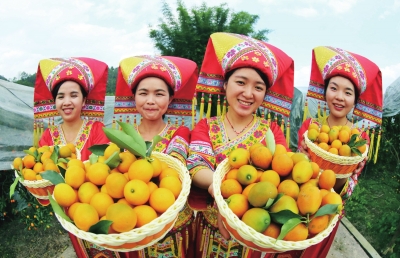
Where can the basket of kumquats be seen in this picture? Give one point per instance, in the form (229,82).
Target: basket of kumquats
(340,149)
(39,163)
(275,201)
(125,197)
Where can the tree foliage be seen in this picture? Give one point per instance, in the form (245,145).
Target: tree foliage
(3,78)
(187,34)
(111,80)
(26,79)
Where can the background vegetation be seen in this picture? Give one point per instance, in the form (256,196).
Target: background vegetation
(373,208)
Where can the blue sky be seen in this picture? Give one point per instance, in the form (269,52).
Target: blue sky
(110,30)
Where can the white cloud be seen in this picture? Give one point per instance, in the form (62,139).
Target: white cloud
(390,74)
(302,76)
(391,9)
(305,12)
(341,6)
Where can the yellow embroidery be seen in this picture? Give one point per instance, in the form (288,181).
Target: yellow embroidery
(257,53)
(80,77)
(154,66)
(69,72)
(266,64)
(245,58)
(255,59)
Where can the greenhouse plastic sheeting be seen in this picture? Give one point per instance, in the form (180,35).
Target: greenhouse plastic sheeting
(391,99)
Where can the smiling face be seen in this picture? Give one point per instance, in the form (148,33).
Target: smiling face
(245,91)
(70,101)
(340,96)
(152,98)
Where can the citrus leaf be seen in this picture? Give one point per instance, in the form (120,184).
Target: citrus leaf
(356,151)
(283,216)
(327,209)
(114,160)
(101,227)
(124,141)
(93,158)
(54,154)
(63,160)
(132,132)
(153,143)
(270,140)
(360,143)
(13,185)
(54,177)
(30,153)
(62,170)
(288,226)
(57,209)
(98,149)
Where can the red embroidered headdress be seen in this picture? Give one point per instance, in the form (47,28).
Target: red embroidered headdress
(363,73)
(178,73)
(91,74)
(227,51)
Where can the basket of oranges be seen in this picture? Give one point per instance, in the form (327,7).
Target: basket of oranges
(270,212)
(30,170)
(340,149)
(123,199)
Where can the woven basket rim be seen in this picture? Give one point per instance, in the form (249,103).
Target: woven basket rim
(155,226)
(333,158)
(248,233)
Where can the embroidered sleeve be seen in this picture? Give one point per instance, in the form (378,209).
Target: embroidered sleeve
(179,144)
(201,153)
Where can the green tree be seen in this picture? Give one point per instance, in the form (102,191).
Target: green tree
(111,80)
(187,35)
(26,79)
(3,78)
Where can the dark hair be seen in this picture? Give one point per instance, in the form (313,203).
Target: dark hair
(262,75)
(170,90)
(56,88)
(356,93)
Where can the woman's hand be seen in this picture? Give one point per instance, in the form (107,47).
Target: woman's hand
(211,190)
(221,227)
(360,166)
(303,148)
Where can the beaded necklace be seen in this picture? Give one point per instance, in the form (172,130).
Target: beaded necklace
(237,133)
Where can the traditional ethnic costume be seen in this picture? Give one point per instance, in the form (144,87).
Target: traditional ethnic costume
(181,75)
(366,77)
(91,74)
(210,145)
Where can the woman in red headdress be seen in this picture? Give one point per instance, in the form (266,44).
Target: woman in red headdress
(344,81)
(74,89)
(251,74)
(152,87)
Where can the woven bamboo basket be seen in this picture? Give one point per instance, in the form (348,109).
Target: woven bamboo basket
(148,234)
(247,236)
(40,188)
(342,166)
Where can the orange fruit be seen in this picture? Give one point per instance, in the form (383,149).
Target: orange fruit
(115,183)
(232,174)
(76,162)
(318,224)
(157,166)
(136,192)
(271,176)
(124,218)
(101,202)
(239,157)
(299,156)
(285,203)
(229,187)
(38,177)
(110,150)
(86,192)
(355,131)
(333,134)
(323,192)
(334,151)
(290,188)
(172,183)
(238,204)
(152,186)
(46,155)
(103,189)
(255,146)
(345,150)
(302,172)
(298,233)
(145,214)
(98,173)
(309,200)
(168,172)
(65,195)
(324,146)
(332,198)
(247,174)
(141,169)
(323,137)
(257,218)
(75,176)
(313,126)
(72,147)
(273,230)
(38,167)
(362,148)
(280,149)
(29,174)
(85,216)
(327,179)
(72,209)
(261,192)
(325,128)
(261,157)
(28,161)
(161,199)
(64,152)
(123,200)
(336,144)
(127,159)
(282,164)
(316,169)
(247,189)
(344,136)
(312,134)
(17,163)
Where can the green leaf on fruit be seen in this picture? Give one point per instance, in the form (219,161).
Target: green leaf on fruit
(93,158)
(101,227)
(114,160)
(132,132)
(270,140)
(124,141)
(62,170)
(54,177)
(288,226)
(327,209)
(98,149)
(30,153)
(283,216)
(269,203)
(153,143)
(54,154)
(57,208)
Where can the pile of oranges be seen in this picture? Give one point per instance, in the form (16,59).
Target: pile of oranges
(38,160)
(260,185)
(130,195)
(336,139)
